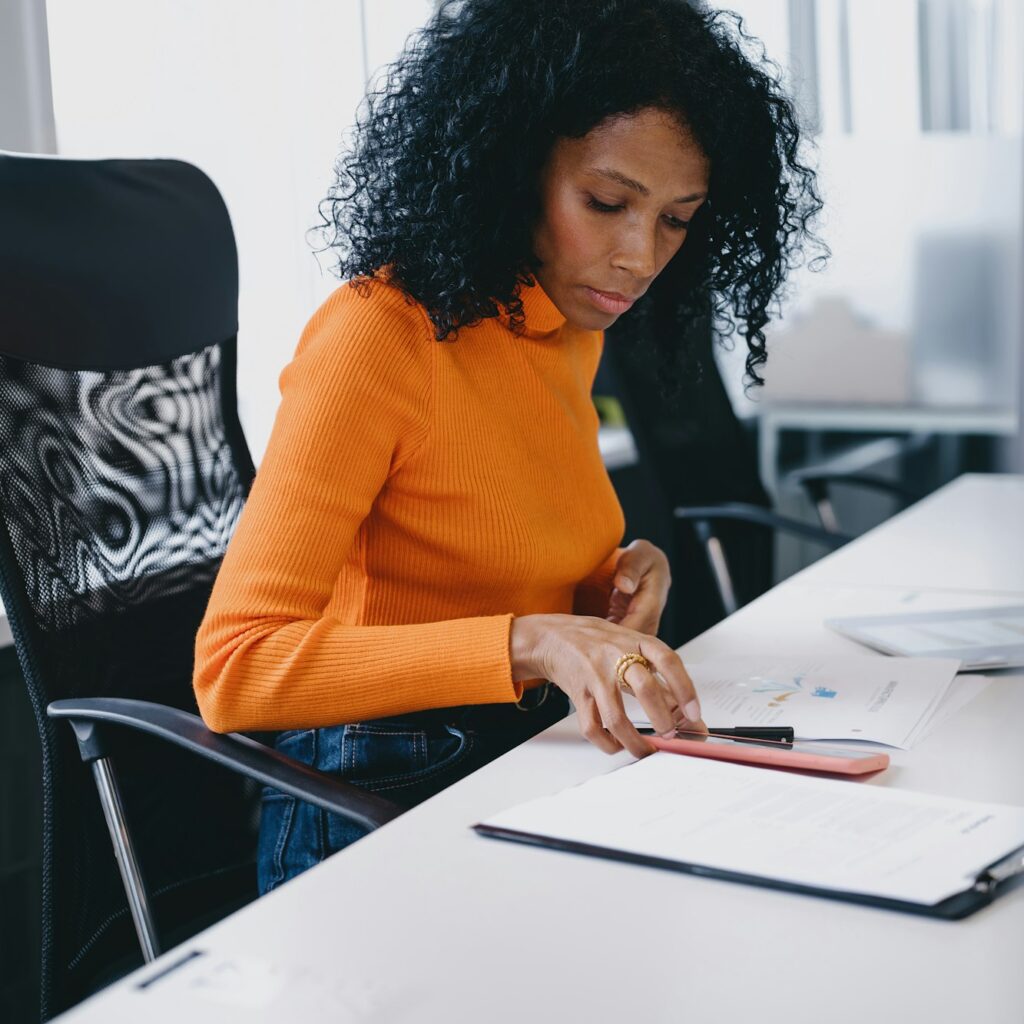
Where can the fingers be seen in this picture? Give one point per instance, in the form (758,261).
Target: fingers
(644,611)
(641,611)
(618,607)
(582,658)
(593,729)
(616,721)
(635,563)
(641,586)
(680,689)
(657,701)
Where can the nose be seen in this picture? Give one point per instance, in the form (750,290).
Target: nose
(636,251)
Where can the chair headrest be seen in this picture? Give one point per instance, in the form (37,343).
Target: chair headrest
(112,264)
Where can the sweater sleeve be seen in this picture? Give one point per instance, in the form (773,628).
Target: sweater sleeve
(594,592)
(355,404)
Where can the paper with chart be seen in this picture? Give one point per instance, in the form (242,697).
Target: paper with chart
(831,835)
(859,697)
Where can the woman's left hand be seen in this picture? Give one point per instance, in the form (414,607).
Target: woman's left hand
(640,589)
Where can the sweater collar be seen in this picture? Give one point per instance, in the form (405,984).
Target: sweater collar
(542,316)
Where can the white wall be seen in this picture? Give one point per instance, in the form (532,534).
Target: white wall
(257,93)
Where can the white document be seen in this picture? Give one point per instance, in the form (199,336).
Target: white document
(843,836)
(858,697)
(963,690)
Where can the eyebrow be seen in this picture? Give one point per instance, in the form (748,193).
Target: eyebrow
(636,186)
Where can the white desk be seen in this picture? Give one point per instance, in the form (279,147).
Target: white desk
(425,921)
(969,535)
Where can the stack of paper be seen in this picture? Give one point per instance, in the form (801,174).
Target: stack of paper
(893,701)
(737,822)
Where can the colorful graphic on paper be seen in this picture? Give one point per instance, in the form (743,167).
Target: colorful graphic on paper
(784,689)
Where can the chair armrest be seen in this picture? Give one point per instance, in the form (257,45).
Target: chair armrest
(232,750)
(815,483)
(758,516)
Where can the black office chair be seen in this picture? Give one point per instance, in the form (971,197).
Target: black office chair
(123,470)
(701,468)
(707,521)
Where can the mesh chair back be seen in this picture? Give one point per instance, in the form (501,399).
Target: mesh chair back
(123,470)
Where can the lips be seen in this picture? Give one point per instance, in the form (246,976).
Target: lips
(610,302)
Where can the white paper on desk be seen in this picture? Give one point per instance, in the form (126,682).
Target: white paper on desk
(960,693)
(819,832)
(254,984)
(849,697)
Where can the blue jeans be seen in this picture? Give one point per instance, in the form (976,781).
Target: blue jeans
(405,759)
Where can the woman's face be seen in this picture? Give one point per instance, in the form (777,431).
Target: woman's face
(614,209)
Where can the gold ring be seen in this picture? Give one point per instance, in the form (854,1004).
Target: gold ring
(623,664)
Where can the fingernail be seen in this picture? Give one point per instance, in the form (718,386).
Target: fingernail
(692,711)
(626,584)
(668,735)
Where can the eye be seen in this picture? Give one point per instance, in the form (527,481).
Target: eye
(675,223)
(596,204)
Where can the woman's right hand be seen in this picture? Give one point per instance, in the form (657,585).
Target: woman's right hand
(578,654)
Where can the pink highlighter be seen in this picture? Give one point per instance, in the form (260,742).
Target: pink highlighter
(809,757)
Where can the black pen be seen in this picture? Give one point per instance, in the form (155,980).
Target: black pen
(780,734)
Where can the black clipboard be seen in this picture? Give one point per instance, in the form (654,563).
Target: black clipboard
(999,877)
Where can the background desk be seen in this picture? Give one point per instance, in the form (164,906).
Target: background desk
(425,921)
(951,424)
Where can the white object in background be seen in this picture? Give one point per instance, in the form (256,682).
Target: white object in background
(958,346)
(618,448)
(829,354)
(884,79)
(979,638)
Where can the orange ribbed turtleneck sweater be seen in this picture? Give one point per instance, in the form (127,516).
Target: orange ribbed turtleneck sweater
(415,496)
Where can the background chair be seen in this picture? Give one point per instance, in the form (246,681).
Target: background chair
(816,485)
(123,470)
(703,499)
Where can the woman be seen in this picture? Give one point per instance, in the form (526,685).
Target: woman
(427,568)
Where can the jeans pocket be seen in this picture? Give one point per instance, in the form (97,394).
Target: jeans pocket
(403,760)
(298,743)
(383,756)
(277,816)
(290,836)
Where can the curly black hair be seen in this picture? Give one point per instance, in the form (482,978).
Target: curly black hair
(441,182)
